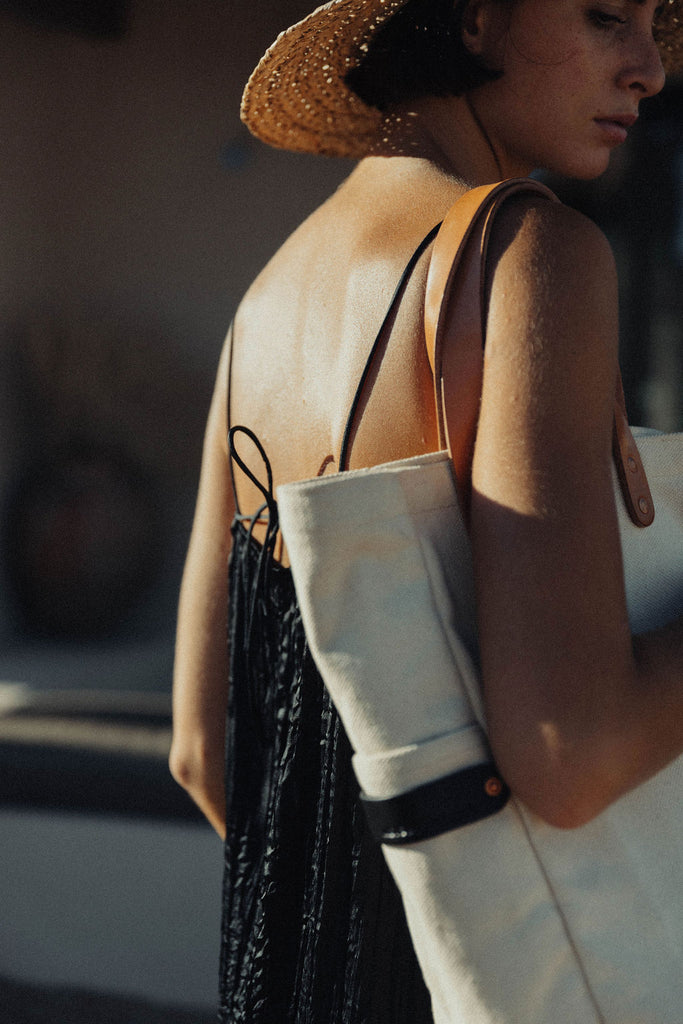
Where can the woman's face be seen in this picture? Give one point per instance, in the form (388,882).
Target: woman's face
(574,72)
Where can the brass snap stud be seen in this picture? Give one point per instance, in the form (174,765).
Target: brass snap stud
(493,786)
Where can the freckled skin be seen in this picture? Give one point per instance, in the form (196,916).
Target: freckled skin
(561,73)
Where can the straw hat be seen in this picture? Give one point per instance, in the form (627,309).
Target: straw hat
(297,98)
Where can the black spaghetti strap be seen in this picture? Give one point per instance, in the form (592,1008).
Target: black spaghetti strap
(346,441)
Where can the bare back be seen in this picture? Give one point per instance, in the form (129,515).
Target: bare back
(303,333)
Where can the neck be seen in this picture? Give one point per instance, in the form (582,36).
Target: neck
(484,135)
(449,132)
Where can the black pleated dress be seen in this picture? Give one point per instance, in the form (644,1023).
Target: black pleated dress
(313,927)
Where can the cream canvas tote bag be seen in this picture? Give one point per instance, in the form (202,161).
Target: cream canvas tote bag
(513,921)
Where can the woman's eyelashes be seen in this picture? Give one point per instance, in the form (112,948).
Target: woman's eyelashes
(605,19)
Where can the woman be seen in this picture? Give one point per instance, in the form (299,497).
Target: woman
(435,98)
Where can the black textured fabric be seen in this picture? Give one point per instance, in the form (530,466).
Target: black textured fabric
(313,927)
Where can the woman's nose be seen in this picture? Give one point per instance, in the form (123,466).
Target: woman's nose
(643,71)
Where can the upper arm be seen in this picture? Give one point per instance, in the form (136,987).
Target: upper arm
(544,434)
(555,642)
(210,538)
(201,662)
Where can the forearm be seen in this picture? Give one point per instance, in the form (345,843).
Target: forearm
(200,684)
(579,716)
(659,663)
(637,729)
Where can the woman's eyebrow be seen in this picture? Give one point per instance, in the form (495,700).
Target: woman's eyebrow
(641,3)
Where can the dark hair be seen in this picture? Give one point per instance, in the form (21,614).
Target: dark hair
(418,52)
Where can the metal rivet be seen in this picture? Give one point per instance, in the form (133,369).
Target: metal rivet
(632,464)
(644,505)
(493,786)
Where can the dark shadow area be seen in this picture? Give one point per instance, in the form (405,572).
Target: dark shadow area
(26,1004)
(102,19)
(89,751)
(637,203)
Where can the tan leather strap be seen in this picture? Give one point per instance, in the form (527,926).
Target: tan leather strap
(456,293)
(629,465)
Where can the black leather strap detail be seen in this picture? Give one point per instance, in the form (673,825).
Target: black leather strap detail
(439,806)
(372,355)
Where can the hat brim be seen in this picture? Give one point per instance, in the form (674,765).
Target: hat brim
(297,98)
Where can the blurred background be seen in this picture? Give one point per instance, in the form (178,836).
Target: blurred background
(134,211)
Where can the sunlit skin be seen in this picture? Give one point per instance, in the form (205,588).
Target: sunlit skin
(570,89)
(572,85)
(571,733)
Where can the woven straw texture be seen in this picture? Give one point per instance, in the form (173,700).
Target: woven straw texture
(297,99)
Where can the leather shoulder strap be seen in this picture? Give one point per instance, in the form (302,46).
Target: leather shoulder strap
(629,465)
(456,293)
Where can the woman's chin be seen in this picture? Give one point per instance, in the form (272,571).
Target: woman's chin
(583,170)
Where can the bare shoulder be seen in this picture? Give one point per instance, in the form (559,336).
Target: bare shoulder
(544,249)
(551,350)
(553,290)
(528,223)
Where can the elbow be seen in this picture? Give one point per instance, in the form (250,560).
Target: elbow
(565,792)
(566,758)
(201,776)
(564,812)
(182,768)
(190,769)
(562,806)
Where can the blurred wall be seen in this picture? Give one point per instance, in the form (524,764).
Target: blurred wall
(129,187)
(134,211)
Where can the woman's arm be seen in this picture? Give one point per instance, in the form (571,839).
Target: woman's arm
(578,712)
(200,682)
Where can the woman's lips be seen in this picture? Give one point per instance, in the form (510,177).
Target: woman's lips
(616,127)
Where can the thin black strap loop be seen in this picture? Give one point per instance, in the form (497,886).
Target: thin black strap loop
(267,513)
(346,441)
(266,492)
(270,504)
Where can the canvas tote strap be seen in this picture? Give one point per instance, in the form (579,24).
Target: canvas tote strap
(456,291)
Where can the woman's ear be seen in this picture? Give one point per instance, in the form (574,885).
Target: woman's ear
(483,27)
